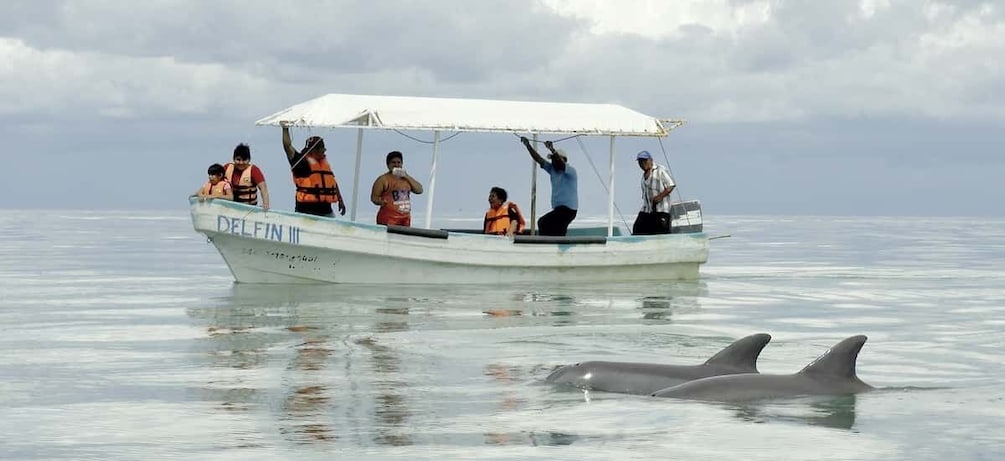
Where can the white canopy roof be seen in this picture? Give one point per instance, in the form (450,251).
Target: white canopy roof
(449,114)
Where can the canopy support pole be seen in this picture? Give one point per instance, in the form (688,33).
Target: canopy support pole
(355,178)
(432,180)
(533,192)
(610,195)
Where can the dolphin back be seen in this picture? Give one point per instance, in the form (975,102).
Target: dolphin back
(839,360)
(833,373)
(742,354)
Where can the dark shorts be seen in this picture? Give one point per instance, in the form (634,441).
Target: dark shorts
(556,222)
(651,223)
(315,208)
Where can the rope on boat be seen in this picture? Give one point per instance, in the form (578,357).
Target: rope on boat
(601,179)
(680,197)
(426,142)
(557,140)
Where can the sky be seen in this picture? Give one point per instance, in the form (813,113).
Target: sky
(862,108)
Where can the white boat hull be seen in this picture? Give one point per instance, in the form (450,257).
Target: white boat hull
(285,247)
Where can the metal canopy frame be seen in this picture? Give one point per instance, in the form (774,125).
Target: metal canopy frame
(471,115)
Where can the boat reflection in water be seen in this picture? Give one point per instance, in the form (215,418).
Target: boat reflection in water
(318,344)
(306,400)
(320,364)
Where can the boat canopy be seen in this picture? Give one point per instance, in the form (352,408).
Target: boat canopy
(478,115)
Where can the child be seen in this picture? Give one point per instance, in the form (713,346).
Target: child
(216,187)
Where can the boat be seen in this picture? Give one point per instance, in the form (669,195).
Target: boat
(288,247)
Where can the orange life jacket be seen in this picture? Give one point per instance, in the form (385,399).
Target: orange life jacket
(497,219)
(217,189)
(244,190)
(320,185)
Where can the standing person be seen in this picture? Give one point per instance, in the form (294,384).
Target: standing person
(654,218)
(502,217)
(216,187)
(246,179)
(392,192)
(317,188)
(564,190)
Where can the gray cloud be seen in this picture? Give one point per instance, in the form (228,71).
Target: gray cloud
(906,94)
(304,41)
(808,58)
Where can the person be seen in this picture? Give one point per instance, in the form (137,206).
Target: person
(654,218)
(392,192)
(317,188)
(564,190)
(246,179)
(502,217)
(216,187)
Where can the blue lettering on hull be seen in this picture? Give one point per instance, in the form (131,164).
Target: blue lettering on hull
(258,230)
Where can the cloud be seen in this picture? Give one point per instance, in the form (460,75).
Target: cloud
(713,61)
(197,56)
(891,83)
(305,41)
(720,61)
(66,85)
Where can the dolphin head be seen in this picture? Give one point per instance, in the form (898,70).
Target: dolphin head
(562,373)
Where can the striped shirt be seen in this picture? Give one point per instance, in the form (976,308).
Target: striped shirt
(659,180)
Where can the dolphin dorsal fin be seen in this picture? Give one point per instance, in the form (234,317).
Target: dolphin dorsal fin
(839,360)
(742,354)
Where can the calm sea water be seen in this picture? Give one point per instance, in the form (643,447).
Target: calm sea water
(124,337)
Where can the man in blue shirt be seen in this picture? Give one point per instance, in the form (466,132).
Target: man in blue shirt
(564,190)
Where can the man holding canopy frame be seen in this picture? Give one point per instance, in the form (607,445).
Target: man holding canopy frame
(564,190)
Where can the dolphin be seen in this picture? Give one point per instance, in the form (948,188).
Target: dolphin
(646,378)
(833,373)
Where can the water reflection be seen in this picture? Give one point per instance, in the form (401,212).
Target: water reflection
(256,326)
(234,342)
(519,303)
(392,411)
(512,399)
(320,364)
(657,307)
(307,395)
(567,305)
(836,412)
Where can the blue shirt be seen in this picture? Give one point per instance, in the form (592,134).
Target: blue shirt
(564,189)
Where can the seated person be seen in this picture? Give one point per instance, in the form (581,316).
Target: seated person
(216,187)
(502,218)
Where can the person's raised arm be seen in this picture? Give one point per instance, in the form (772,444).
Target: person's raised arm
(413,184)
(287,142)
(533,153)
(557,159)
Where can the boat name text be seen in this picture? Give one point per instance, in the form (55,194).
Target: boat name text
(258,229)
